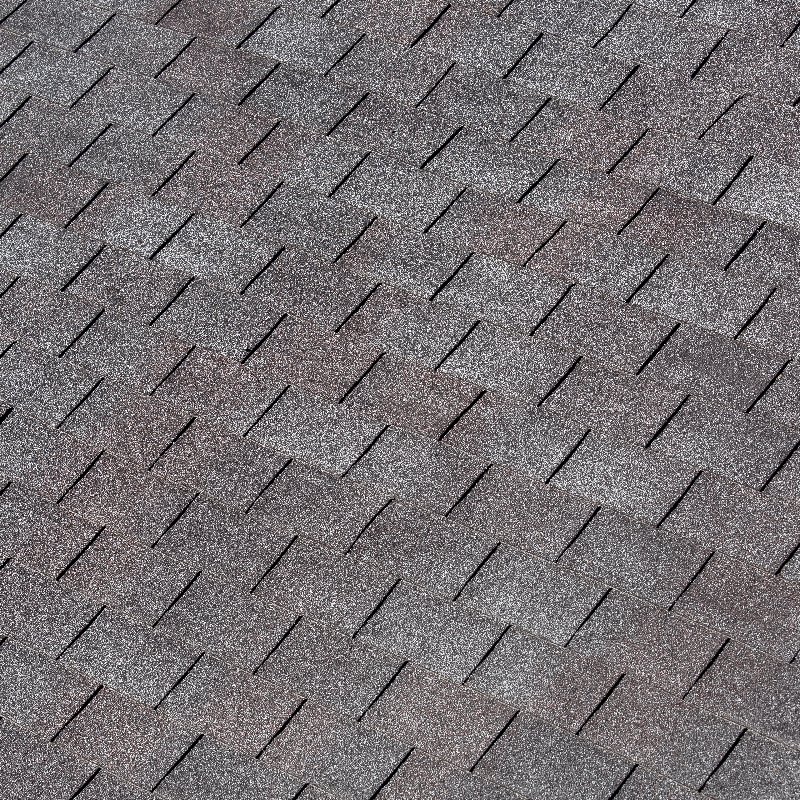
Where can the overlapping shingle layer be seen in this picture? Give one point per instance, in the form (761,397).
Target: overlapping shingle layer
(399,400)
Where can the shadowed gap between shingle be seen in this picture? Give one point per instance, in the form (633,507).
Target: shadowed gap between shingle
(588,617)
(603,700)
(10,225)
(13,11)
(260,343)
(166,449)
(88,147)
(94,33)
(638,211)
(77,713)
(663,426)
(721,115)
(619,88)
(361,378)
(361,303)
(724,758)
(708,56)
(706,668)
(14,166)
(507,74)
(784,462)
(505,8)
(261,205)
(613,26)
(174,58)
(744,247)
(175,520)
(547,314)
(457,345)
(422,34)
(766,388)
(474,572)
(375,610)
(646,279)
(10,286)
(369,524)
(299,793)
(344,55)
(266,486)
(16,111)
(274,562)
(173,114)
(628,150)
(679,499)
(7,348)
(172,174)
(658,348)
(391,775)
(178,364)
(269,408)
(751,319)
(329,9)
(733,180)
(172,300)
(530,119)
(259,143)
(257,28)
(368,448)
(461,414)
(568,456)
(622,783)
(539,180)
(277,644)
(77,793)
(180,680)
(92,86)
(258,84)
(347,113)
(697,573)
(791,33)
(441,147)
(788,558)
(185,752)
(466,491)
(74,560)
(177,598)
(80,633)
(557,385)
(584,525)
(500,733)
(18,55)
(382,690)
(545,242)
(687,9)
(444,211)
(168,11)
(353,243)
(80,477)
(86,205)
(483,658)
(443,285)
(349,174)
(282,728)
(5,415)
(278,253)
(435,86)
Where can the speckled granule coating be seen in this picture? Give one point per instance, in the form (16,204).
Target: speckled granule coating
(399,400)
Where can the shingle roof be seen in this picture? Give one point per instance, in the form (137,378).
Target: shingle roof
(399,401)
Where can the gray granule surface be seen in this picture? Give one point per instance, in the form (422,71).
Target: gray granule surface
(399,400)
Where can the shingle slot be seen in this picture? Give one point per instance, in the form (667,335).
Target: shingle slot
(708,56)
(177,436)
(258,84)
(77,713)
(353,243)
(174,114)
(172,174)
(707,667)
(13,11)
(360,378)
(461,414)
(166,14)
(21,52)
(547,314)
(361,303)
(16,111)
(80,477)
(532,117)
(94,33)
(74,560)
(269,483)
(481,660)
(369,524)
(679,499)
(274,563)
(78,635)
(368,448)
(266,411)
(180,680)
(277,644)
(177,598)
(751,319)
(588,617)
(768,386)
(11,285)
(441,147)
(457,345)
(474,572)
(744,247)
(175,520)
(349,174)
(613,26)
(661,428)
(192,745)
(631,147)
(86,205)
(791,33)
(259,143)
(175,57)
(721,115)
(500,733)
(329,9)
(178,364)
(539,180)
(391,775)
(784,462)
(377,608)
(344,55)
(587,522)
(435,86)
(698,572)
(733,180)
(282,728)
(92,86)
(603,700)
(261,205)
(257,28)
(272,260)
(646,279)
(444,211)
(84,785)
(469,488)
(422,34)
(260,343)
(522,57)
(568,456)
(557,385)
(724,758)
(383,690)
(13,167)
(622,783)
(619,88)
(658,348)
(347,113)
(638,211)
(173,299)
